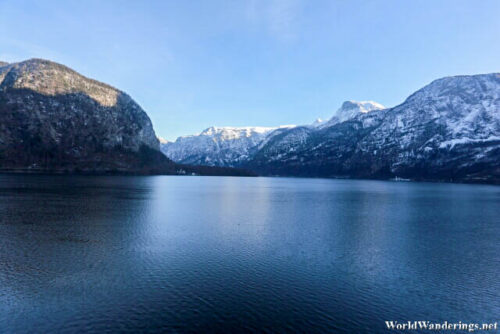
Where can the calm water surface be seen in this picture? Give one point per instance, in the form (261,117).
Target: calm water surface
(214,254)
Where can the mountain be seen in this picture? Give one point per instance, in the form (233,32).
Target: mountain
(449,130)
(277,147)
(230,146)
(350,109)
(318,122)
(52,119)
(224,146)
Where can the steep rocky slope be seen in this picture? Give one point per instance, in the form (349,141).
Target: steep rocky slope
(52,118)
(448,130)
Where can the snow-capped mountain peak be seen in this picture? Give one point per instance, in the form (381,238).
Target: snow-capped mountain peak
(350,109)
(318,122)
(231,146)
(449,129)
(229,132)
(358,106)
(219,146)
(162,140)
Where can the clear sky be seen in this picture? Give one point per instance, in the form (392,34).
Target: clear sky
(194,64)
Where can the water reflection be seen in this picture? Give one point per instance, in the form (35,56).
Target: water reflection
(232,254)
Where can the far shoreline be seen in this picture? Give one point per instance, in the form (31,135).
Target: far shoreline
(26,171)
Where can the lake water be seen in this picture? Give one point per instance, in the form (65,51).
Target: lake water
(217,254)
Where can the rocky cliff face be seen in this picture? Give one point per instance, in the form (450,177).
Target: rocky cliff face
(448,130)
(52,118)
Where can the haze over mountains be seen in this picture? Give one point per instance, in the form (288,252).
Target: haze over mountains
(449,130)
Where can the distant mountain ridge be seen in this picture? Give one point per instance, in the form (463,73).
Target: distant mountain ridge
(447,131)
(218,146)
(233,146)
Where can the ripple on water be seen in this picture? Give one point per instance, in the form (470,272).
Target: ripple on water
(172,254)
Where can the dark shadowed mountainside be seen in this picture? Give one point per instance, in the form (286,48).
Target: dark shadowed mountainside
(52,119)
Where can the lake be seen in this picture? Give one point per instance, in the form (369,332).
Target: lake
(226,254)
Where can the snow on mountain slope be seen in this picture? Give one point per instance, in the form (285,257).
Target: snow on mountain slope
(162,140)
(318,122)
(218,146)
(232,146)
(290,140)
(350,109)
(450,129)
(447,112)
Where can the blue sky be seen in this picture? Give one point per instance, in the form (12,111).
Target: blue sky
(194,64)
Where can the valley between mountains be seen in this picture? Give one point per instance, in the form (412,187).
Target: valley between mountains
(55,120)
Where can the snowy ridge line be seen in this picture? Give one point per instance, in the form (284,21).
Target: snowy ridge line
(229,146)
